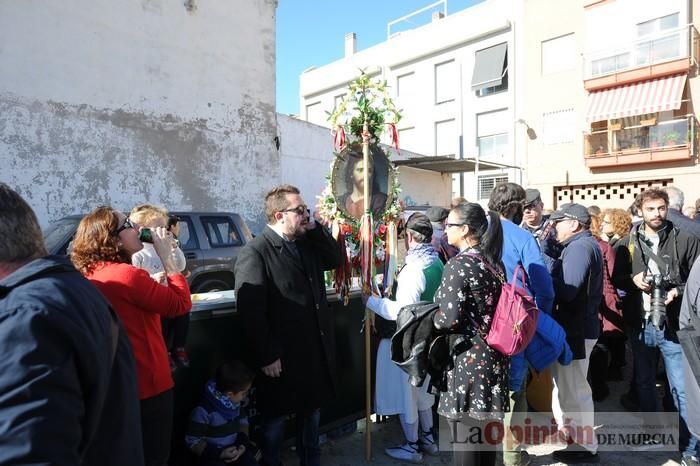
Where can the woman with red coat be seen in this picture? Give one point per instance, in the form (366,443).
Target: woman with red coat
(608,356)
(102,251)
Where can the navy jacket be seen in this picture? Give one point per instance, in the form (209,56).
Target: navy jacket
(64,399)
(578,285)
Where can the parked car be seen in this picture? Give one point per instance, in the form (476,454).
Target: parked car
(210,241)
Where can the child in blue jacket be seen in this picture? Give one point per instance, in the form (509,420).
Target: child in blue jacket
(216,432)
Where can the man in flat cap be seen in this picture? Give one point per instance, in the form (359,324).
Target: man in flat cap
(417,281)
(445,250)
(577,276)
(533,219)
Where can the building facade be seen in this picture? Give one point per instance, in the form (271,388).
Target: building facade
(611,93)
(589,101)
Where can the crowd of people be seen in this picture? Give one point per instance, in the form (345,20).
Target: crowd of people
(90,341)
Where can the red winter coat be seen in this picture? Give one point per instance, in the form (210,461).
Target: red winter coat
(611,305)
(140,301)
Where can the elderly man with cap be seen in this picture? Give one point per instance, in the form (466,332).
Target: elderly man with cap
(533,220)
(417,281)
(577,276)
(445,250)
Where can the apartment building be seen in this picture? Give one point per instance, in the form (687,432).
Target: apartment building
(455,80)
(611,92)
(589,101)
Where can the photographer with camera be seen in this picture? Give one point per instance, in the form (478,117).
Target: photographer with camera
(652,267)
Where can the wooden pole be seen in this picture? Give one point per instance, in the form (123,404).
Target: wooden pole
(368,327)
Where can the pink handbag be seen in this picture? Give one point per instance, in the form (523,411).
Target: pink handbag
(515,320)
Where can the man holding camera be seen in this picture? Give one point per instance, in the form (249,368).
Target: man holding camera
(652,266)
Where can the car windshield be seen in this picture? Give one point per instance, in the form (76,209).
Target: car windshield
(56,234)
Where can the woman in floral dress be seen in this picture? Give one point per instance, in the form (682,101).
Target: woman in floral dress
(477,385)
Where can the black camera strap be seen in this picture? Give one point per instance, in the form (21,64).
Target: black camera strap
(646,250)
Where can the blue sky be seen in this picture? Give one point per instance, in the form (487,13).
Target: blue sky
(311,33)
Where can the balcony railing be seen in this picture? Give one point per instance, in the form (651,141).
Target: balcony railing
(647,141)
(667,46)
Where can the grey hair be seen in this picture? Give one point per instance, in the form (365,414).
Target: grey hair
(675,197)
(19,229)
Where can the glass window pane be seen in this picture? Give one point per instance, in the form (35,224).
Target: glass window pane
(445,82)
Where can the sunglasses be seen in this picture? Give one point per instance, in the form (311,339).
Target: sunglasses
(299,210)
(449,225)
(125,226)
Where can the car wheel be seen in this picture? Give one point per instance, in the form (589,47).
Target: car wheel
(208,286)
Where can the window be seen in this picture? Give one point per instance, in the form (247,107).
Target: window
(221,232)
(610,64)
(558,127)
(492,134)
(445,138)
(657,25)
(663,43)
(407,139)
(487,183)
(405,85)
(406,93)
(490,69)
(337,100)
(187,238)
(445,82)
(314,114)
(494,89)
(559,54)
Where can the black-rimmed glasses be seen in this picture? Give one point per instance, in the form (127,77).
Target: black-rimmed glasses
(299,210)
(125,226)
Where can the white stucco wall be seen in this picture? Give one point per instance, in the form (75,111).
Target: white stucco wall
(138,101)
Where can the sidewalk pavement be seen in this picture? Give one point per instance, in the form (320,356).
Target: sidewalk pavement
(349,450)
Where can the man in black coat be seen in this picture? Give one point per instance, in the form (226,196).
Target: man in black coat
(68,392)
(288,327)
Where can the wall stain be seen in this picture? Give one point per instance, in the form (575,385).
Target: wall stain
(68,159)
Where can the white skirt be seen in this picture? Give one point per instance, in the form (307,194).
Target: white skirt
(393,393)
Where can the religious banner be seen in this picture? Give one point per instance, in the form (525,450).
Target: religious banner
(364,224)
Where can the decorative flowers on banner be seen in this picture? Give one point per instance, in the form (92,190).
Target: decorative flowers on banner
(342,201)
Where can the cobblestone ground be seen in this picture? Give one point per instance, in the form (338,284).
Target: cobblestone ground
(349,450)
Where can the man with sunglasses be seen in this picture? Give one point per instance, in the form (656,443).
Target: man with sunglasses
(287,326)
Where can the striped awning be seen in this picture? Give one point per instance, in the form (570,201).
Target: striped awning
(654,95)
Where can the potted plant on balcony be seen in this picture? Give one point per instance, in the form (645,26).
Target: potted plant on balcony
(671,138)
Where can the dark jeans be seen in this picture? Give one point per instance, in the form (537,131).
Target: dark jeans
(308,449)
(175,331)
(156,428)
(645,345)
(472,455)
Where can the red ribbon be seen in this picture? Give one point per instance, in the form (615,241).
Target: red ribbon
(339,141)
(394,137)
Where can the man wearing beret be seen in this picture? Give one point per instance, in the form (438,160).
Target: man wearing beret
(445,250)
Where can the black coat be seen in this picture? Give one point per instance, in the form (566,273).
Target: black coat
(66,398)
(285,315)
(681,258)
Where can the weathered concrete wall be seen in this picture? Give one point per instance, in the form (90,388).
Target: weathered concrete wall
(135,101)
(307,151)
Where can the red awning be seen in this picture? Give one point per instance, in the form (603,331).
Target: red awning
(655,95)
